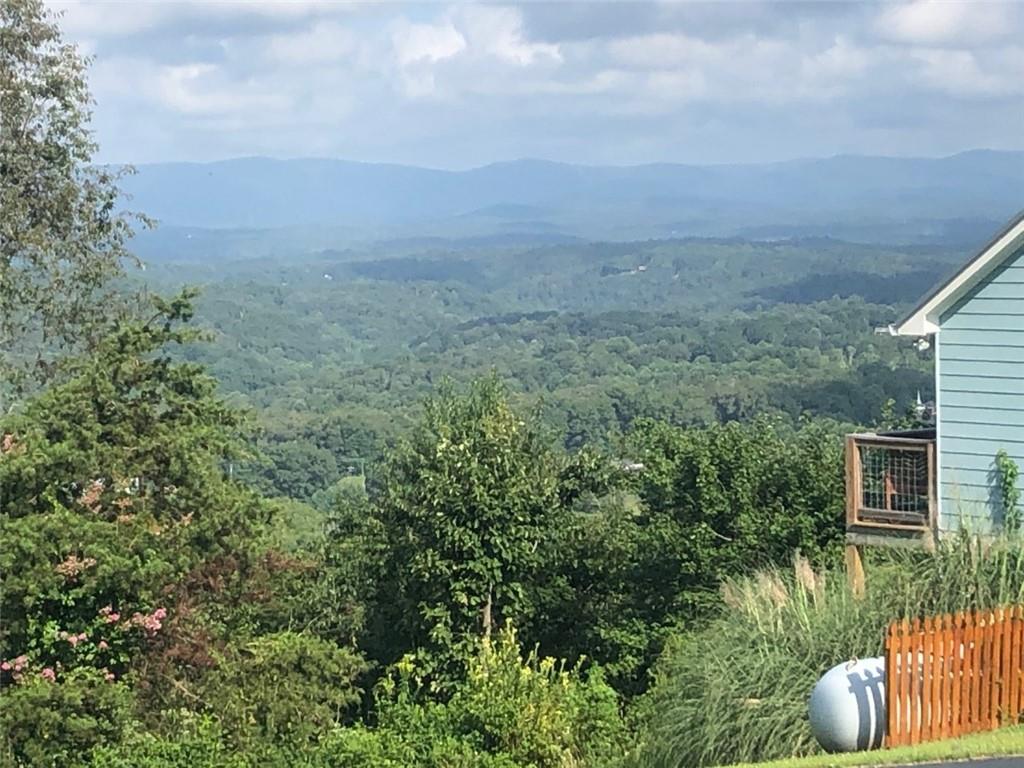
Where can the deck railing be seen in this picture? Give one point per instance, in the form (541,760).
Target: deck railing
(890,481)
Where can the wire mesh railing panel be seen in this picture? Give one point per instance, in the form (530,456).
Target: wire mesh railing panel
(894,483)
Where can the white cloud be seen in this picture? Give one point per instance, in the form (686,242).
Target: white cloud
(498,32)
(469,50)
(88,19)
(439,82)
(417,49)
(681,68)
(118,18)
(965,75)
(945,22)
(840,61)
(417,43)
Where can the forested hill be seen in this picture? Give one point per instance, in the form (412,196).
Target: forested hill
(871,199)
(335,351)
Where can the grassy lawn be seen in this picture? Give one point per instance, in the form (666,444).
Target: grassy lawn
(1007,741)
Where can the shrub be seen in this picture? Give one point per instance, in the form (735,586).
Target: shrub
(283,688)
(47,723)
(510,711)
(535,710)
(362,747)
(197,742)
(737,690)
(65,575)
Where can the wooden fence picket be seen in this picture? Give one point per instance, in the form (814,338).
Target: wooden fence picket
(956,665)
(948,657)
(904,683)
(974,712)
(1005,672)
(1016,663)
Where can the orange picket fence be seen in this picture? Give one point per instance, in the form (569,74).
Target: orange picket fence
(953,674)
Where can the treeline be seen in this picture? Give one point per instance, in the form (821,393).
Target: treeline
(335,352)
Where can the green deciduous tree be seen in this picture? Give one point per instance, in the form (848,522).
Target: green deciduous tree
(62,237)
(738,495)
(707,503)
(465,505)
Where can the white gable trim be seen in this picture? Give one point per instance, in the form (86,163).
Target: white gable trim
(924,320)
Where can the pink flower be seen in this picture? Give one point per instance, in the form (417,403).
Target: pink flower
(150,623)
(6,666)
(112,617)
(20,663)
(81,637)
(103,645)
(48,674)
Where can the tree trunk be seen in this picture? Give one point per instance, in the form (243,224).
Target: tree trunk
(487,616)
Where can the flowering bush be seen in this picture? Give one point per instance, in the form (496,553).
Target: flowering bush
(69,584)
(114,498)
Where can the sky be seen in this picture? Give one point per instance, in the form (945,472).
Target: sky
(457,85)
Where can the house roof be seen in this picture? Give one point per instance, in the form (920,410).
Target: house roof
(924,318)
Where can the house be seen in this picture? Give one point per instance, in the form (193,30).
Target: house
(912,486)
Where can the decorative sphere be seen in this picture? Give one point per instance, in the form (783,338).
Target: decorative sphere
(847,706)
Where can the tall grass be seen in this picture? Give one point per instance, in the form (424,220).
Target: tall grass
(737,689)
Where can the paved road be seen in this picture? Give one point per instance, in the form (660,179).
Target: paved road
(988,762)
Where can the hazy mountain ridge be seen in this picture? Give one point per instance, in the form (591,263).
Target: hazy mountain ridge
(848,196)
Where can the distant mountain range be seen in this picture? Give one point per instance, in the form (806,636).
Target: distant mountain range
(848,197)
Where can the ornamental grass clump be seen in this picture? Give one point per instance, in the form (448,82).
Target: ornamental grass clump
(737,689)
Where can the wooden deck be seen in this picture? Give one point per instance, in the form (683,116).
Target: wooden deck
(890,483)
(891,495)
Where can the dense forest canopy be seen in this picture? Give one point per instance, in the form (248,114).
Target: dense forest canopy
(335,351)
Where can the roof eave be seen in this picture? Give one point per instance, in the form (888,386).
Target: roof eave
(924,319)
(917,325)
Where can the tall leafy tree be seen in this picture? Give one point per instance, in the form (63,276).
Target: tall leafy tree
(739,495)
(62,237)
(465,504)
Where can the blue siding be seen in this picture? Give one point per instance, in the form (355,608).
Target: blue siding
(980,372)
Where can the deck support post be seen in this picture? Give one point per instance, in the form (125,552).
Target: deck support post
(855,569)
